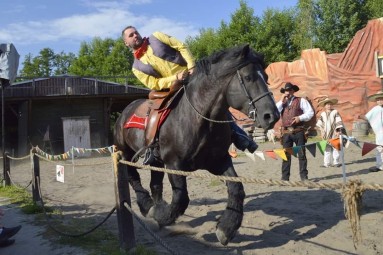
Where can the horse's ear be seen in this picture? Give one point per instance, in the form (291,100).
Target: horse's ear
(245,50)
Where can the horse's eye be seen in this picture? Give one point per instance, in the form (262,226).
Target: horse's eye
(247,78)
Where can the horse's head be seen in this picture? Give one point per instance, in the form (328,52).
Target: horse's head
(248,90)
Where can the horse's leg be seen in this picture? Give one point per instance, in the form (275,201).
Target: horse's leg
(156,184)
(231,218)
(144,200)
(180,201)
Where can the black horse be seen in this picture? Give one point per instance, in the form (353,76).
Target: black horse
(197,133)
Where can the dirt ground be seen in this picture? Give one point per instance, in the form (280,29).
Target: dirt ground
(277,219)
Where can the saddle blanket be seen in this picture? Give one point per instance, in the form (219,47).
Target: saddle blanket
(136,122)
(140,122)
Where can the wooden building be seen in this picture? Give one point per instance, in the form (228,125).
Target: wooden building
(59,112)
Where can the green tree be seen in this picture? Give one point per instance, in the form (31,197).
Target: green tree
(274,36)
(374,9)
(104,57)
(303,35)
(62,62)
(240,30)
(336,22)
(47,63)
(203,44)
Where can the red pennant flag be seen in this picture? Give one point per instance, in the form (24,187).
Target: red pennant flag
(335,142)
(367,147)
(290,151)
(271,154)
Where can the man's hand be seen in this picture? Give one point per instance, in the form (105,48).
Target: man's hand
(182,75)
(295,120)
(284,98)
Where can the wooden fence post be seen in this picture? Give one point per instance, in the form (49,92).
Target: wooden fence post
(124,217)
(7,169)
(36,176)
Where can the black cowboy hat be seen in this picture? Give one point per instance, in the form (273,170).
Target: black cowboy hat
(289,86)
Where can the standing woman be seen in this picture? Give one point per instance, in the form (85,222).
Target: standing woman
(331,126)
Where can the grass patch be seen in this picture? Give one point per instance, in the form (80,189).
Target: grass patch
(22,198)
(215,183)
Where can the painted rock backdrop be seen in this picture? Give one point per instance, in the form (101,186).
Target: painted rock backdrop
(349,76)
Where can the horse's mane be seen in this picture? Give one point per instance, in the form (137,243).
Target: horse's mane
(204,65)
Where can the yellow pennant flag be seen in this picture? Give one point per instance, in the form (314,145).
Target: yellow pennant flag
(281,153)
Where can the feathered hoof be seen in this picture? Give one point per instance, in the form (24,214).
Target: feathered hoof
(222,238)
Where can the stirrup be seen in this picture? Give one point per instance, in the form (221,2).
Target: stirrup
(149,156)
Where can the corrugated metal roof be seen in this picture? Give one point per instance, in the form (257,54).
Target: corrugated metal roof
(70,85)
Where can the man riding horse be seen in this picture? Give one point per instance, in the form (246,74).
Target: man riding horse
(162,61)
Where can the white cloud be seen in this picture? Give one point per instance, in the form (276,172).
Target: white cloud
(104,19)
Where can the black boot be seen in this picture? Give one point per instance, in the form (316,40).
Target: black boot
(243,142)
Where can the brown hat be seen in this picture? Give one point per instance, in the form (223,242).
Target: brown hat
(328,101)
(373,97)
(289,86)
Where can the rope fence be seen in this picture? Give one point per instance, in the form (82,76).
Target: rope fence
(351,193)
(126,242)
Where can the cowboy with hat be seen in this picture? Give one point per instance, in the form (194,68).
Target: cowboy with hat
(331,126)
(294,111)
(375,119)
(289,87)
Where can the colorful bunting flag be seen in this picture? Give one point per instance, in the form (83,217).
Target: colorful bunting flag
(367,147)
(335,142)
(312,148)
(260,154)
(296,150)
(281,153)
(271,154)
(322,146)
(289,151)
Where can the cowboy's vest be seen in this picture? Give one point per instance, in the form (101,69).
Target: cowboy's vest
(163,51)
(291,111)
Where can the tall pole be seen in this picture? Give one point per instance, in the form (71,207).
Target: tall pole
(3,128)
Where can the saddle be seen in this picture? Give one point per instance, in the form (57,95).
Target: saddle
(157,108)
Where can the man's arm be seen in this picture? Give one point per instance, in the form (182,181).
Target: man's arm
(179,46)
(308,112)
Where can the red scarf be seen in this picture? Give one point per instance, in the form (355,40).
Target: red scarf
(141,51)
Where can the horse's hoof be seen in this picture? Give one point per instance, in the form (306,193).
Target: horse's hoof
(151,212)
(222,238)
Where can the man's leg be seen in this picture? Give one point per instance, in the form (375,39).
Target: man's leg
(287,142)
(335,157)
(300,140)
(379,157)
(241,140)
(327,156)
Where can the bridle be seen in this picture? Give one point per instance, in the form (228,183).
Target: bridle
(252,114)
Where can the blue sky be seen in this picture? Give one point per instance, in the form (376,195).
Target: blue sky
(32,25)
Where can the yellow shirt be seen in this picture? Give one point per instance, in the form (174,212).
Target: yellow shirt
(166,69)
